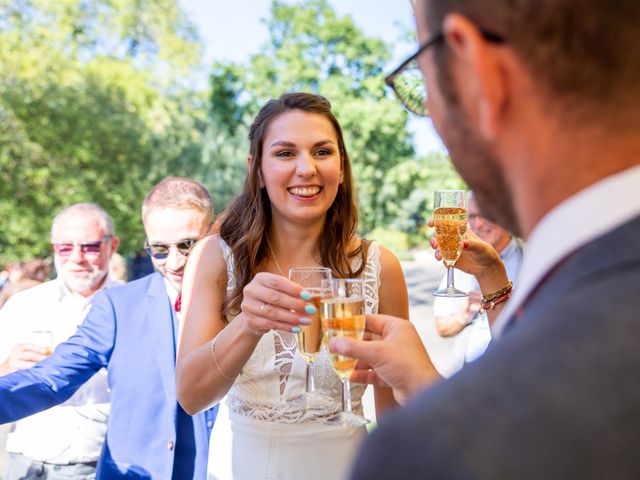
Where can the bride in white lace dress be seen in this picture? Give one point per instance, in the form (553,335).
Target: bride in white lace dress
(240,312)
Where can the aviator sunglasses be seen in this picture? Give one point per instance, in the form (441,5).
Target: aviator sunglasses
(160,251)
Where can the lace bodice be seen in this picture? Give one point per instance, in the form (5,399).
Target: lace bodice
(274,372)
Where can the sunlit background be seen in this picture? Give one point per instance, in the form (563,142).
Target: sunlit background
(100,99)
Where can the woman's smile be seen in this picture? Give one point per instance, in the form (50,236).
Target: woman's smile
(306,192)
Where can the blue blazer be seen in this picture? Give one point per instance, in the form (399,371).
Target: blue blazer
(129,330)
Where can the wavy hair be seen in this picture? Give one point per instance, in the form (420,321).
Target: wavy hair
(246,221)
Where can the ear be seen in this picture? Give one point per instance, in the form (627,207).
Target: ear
(115,243)
(481,73)
(249,164)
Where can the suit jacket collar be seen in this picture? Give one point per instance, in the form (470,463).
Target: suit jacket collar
(607,255)
(571,225)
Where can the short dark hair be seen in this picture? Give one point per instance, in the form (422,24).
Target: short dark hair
(585,52)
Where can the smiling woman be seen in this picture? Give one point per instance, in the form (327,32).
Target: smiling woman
(297,209)
(300,173)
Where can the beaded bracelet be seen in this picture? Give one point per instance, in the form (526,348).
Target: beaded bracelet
(492,296)
(213,354)
(490,304)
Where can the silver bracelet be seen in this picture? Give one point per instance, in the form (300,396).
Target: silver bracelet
(215,360)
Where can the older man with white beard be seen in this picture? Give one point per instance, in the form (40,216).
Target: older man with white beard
(65,441)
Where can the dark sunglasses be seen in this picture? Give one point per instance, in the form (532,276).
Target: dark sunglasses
(87,248)
(160,251)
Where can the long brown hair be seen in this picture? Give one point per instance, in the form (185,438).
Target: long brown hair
(245,222)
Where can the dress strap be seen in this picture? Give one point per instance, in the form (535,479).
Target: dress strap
(227,254)
(371,276)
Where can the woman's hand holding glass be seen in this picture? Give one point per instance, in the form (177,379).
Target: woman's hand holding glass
(310,339)
(480,259)
(272,302)
(450,221)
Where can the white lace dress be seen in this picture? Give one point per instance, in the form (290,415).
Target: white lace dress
(265,438)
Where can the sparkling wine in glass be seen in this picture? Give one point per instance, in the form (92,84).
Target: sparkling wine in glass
(44,339)
(450,222)
(343,316)
(310,338)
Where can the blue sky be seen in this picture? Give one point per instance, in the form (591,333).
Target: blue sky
(232,30)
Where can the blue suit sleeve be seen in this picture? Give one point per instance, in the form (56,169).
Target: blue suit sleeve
(53,380)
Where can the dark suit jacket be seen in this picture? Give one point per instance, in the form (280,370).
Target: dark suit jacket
(129,330)
(557,397)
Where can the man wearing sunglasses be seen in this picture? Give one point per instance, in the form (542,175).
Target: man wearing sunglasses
(538,102)
(132,330)
(67,439)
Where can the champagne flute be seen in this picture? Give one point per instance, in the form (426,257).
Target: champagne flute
(343,316)
(44,339)
(450,221)
(309,340)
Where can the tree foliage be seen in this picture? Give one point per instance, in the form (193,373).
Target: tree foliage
(99,100)
(84,116)
(312,49)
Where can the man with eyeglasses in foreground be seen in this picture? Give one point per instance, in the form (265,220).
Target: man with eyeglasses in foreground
(65,440)
(538,102)
(132,330)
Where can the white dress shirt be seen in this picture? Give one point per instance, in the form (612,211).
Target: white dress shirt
(74,431)
(578,220)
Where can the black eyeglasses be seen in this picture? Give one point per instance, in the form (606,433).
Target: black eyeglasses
(408,83)
(65,249)
(160,251)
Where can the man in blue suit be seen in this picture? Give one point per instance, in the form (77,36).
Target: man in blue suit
(132,330)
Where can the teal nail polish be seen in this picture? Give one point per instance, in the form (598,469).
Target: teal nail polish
(305,321)
(305,295)
(296,329)
(310,309)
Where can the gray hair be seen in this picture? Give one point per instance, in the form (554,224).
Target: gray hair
(106,222)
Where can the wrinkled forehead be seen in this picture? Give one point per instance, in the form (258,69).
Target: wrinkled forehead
(78,227)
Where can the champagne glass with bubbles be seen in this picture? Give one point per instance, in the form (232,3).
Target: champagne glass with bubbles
(343,316)
(450,221)
(310,338)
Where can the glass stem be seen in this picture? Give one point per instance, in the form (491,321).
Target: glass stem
(450,278)
(311,386)
(346,396)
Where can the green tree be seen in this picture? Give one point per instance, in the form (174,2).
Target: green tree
(408,193)
(312,49)
(94,107)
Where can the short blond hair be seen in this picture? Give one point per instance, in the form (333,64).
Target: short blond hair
(179,192)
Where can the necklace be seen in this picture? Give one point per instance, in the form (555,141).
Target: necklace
(275,259)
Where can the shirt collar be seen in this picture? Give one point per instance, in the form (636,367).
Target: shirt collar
(171,291)
(570,225)
(509,249)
